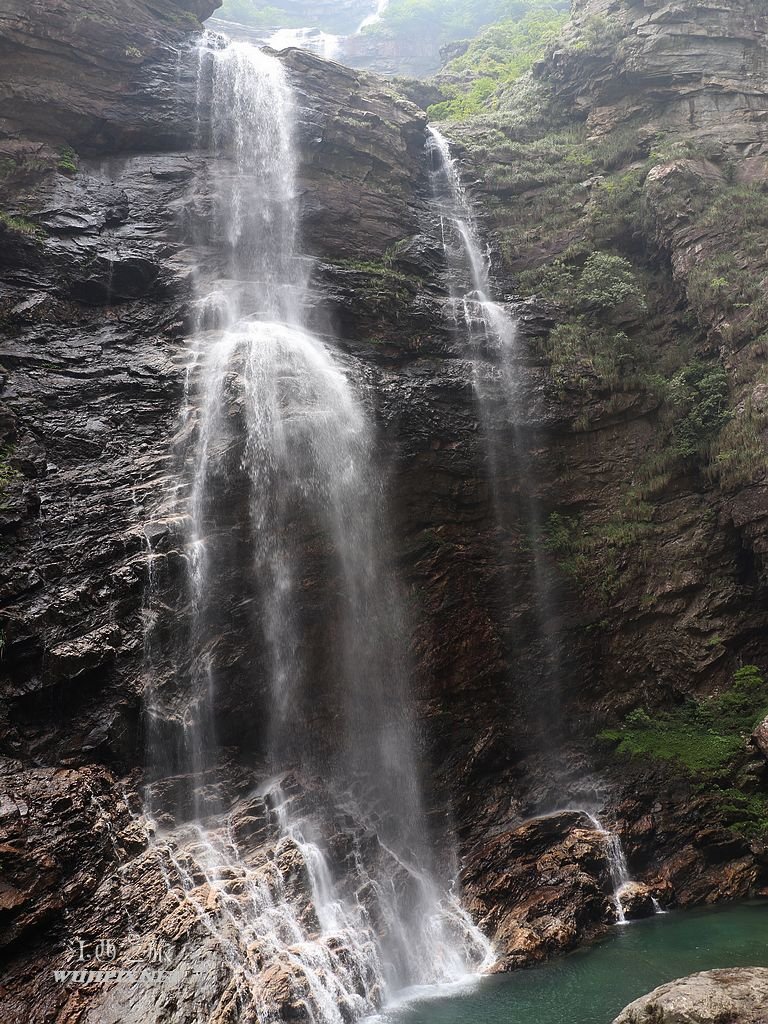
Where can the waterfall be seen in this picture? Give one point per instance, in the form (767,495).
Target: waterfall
(342,906)
(617,863)
(374,17)
(491,330)
(492,338)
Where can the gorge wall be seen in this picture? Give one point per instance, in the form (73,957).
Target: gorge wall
(642,138)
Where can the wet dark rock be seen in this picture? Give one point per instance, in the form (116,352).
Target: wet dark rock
(540,888)
(760,738)
(96,79)
(363,146)
(637,901)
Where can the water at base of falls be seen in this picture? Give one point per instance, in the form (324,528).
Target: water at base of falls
(594,986)
(299,940)
(316,886)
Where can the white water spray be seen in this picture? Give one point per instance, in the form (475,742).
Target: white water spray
(324,44)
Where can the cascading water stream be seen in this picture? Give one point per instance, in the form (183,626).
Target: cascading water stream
(617,863)
(374,17)
(490,328)
(277,427)
(492,337)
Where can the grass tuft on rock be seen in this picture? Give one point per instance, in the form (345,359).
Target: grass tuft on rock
(21,225)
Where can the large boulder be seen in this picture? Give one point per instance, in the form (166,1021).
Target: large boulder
(540,888)
(637,901)
(738,996)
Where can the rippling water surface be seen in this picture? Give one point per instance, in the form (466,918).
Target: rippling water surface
(594,984)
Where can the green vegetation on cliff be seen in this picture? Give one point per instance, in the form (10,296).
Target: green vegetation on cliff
(453,19)
(603,282)
(8,472)
(21,225)
(705,739)
(699,396)
(740,453)
(68,159)
(500,55)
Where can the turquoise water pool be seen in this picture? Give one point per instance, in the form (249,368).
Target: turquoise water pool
(592,985)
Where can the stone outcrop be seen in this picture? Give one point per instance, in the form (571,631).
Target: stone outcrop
(637,901)
(672,65)
(95,77)
(363,152)
(738,995)
(760,737)
(551,887)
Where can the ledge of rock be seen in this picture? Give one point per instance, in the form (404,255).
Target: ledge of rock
(88,75)
(738,996)
(760,737)
(684,64)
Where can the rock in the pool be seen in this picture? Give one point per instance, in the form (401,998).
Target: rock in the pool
(733,996)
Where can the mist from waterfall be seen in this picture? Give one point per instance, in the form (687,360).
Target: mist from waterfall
(374,17)
(324,44)
(272,410)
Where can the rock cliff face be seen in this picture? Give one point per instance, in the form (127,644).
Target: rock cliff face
(105,194)
(96,78)
(698,68)
(639,139)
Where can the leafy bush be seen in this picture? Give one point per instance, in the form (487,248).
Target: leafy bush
(700,393)
(68,158)
(597,32)
(746,813)
(604,282)
(607,281)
